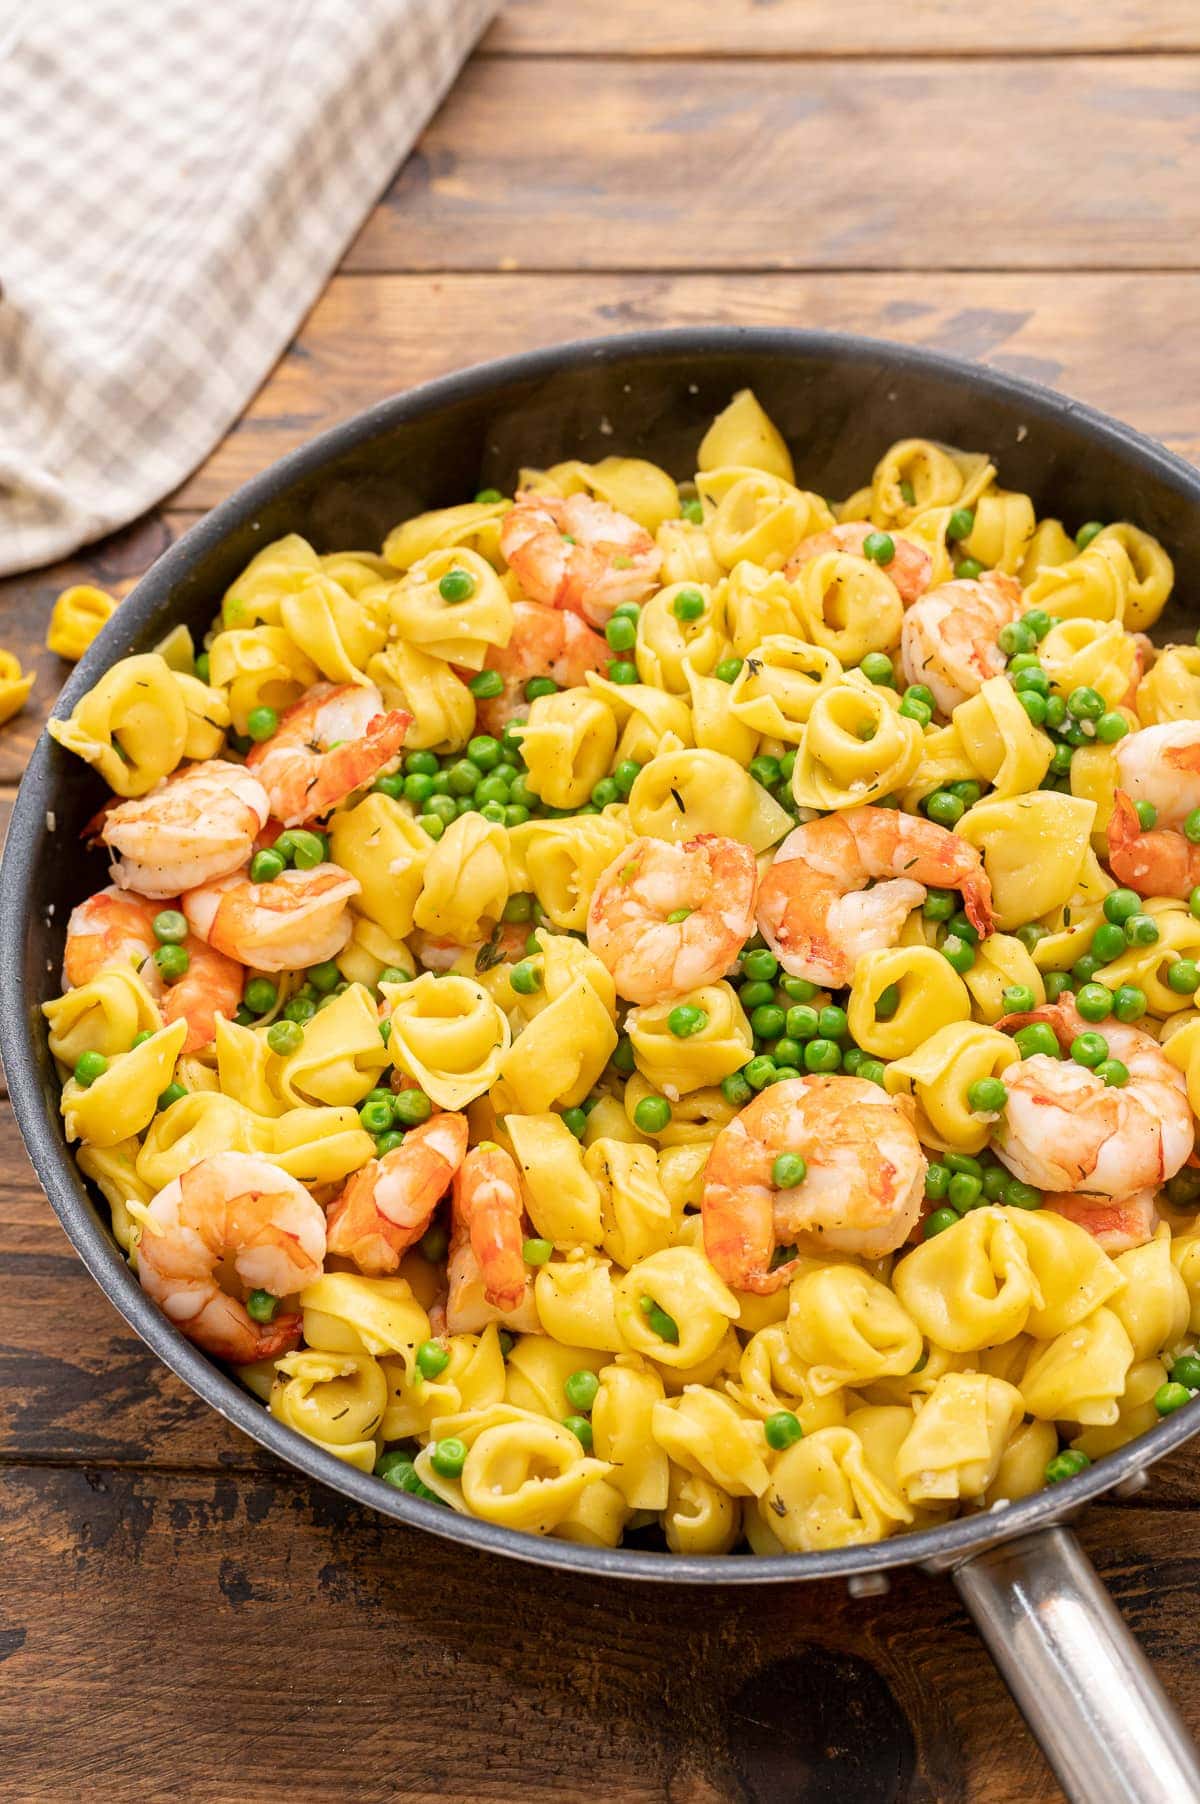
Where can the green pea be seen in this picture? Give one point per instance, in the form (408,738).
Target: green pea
(995,1180)
(626,775)
(621,633)
(432,1359)
(964,929)
(1034,705)
(1067,1464)
(938,1222)
(622,1058)
(1086,534)
(761,965)
(388,1142)
(878,668)
(1038,622)
(1094,1001)
(1147,815)
(308,849)
(728,670)
(788,1170)
(1184,977)
(887,1002)
(376,1117)
(871,1071)
(1141,930)
(1085,968)
(488,497)
(487,685)
(880,547)
(965,1162)
(920,692)
(961,524)
(1194,903)
(798,989)
(1021,1196)
(1056,711)
(140,1039)
(802,1022)
(262,723)
(758,1073)
(986,1096)
(422,764)
(688,605)
(285,1037)
(693,512)
(581,1389)
(940,904)
(299,1009)
(937,1180)
(1089,1049)
(448,1457)
(628,610)
(88,1067)
(968,569)
(1108,942)
(782,1430)
(1110,727)
(539,686)
(831,1022)
(1129,1002)
(266,866)
(172,1094)
(536,1251)
(1037,1038)
(411,1107)
(1016,637)
(1036,679)
(621,671)
(172,962)
(662,1324)
(958,953)
(822,1055)
(457,585)
(1018,999)
(652,1114)
(753,995)
(944,808)
(765,770)
(525,978)
(1170,1397)
(919,711)
(685,1019)
(786,1051)
(964,1190)
(261,996)
(768,1021)
(261,1306)
(736,1090)
(1186,1371)
(432,824)
(170,927)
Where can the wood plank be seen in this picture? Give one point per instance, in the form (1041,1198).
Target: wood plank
(840,164)
(875,28)
(394,1688)
(372,335)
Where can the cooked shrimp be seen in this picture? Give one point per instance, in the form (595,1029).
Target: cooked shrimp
(239,1206)
(667,918)
(1161,765)
(489,1279)
(1064,1129)
(110,928)
(388,1205)
(861,1192)
(815,910)
(1116,1223)
(545,642)
(299,919)
(114,927)
(1154,863)
(197,825)
(910,567)
(578,553)
(948,640)
(333,740)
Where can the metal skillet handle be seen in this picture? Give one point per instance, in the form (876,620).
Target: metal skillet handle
(1082,1682)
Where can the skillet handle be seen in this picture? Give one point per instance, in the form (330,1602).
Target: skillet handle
(1082,1682)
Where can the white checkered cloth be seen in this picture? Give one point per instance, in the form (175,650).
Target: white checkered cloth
(179,178)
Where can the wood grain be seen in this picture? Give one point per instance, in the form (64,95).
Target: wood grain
(874,28)
(315,1647)
(371,335)
(728,164)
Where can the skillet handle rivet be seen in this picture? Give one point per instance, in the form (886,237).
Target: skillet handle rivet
(869,1584)
(1129,1487)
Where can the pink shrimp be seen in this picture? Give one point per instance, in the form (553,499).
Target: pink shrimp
(332,741)
(114,927)
(545,642)
(910,567)
(388,1205)
(488,1277)
(667,918)
(861,1191)
(1156,862)
(578,553)
(1116,1223)
(196,826)
(301,918)
(815,910)
(948,640)
(239,1207)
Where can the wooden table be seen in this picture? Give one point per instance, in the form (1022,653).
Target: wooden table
(180,1616)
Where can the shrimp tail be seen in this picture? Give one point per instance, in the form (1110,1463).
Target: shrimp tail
(977,902)
(1063,1021)
(282,1335)
(347,766)
(1154,863)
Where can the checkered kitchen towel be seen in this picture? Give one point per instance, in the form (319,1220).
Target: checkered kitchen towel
(177,180)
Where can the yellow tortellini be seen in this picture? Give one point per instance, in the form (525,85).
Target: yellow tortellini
(823,1494)
(380,844)
(916,474)
(743,435)
(458,631)
(1001,742)
(971,1286)
(849,1329)
(719,1047)
(77,618)
(560,863)
(1080,1375)
(681,1285)
(132,725)
(448,1034)
(335,1399)
(776,689)
(682,794)
(122,1101)
(672,639)
(941,1071)
(954,1447)
(929,996)
(568,745)
(854,748)
(848,606)
(104,1015)
(1033,848)
(443,712)
(465,881)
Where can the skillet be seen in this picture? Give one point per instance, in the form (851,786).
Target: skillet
(839,401)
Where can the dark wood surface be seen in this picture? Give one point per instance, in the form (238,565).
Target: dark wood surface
(180,1616)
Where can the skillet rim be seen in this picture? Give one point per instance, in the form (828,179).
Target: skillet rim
(936,1548)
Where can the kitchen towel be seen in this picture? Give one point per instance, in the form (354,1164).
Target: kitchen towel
(178,178)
